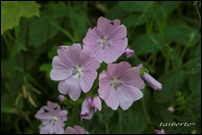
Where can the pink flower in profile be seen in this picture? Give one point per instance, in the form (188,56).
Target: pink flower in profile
(129,52)
(151,81)
(107,41)
(52,118)
(76,130)
(89,106)
(120,85)
(75,69)
(160,131)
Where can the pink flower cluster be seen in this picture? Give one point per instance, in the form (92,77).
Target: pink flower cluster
(53,119)
(76,67)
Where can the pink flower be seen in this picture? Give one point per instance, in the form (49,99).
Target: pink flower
(52,118)
(129,52)
(120,85)
(107,41)
(151,81)
(160,131)
(61,98)
(75,69)
(89,106)
(76,130)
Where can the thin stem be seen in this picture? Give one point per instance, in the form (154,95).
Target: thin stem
(107,128)
(182,56)
(63,31)
(198,12)
(7,43)
(26,45)
(145,112)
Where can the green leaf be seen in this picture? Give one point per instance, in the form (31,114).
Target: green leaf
(135,20)
(171,82)
(41,29)
(39,35)
(8,102)
(134,6)
(52,52)
(10,15)
(11,12)
(29,8)
(148,44)
(136,120)
(7,109)
(46,68)
(182,35)
(79,27)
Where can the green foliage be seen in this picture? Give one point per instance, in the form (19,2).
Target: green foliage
(11,12)
(166,37)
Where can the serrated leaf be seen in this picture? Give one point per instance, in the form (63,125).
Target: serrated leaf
(10,15)
(11,12)
(29,8)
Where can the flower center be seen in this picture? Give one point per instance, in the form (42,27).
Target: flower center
(54,120)
(104,42)
(116,83)
(77,71)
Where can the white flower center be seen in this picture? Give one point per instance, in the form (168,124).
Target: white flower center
(77,71)
(104,42)
(116,83)
(54,119)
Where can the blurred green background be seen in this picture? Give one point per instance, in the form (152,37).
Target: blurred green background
(166,37)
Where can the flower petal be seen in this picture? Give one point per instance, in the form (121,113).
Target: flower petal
(129,52)
(70,130)
(87,79)
(53,107)
(118,33)
(50,128)
(92,37)
(113,52)
(117,69)
(103,91)
(60,71)
(70,55)
(104,26)
(42,115)
(117,22)
(127,95)
(86,109)
(97,52)
(80,130)
(87,60)
(63,115)
(132,77)
(71,87)
(104,84)
(97,103)
(112,98)
(152,82)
